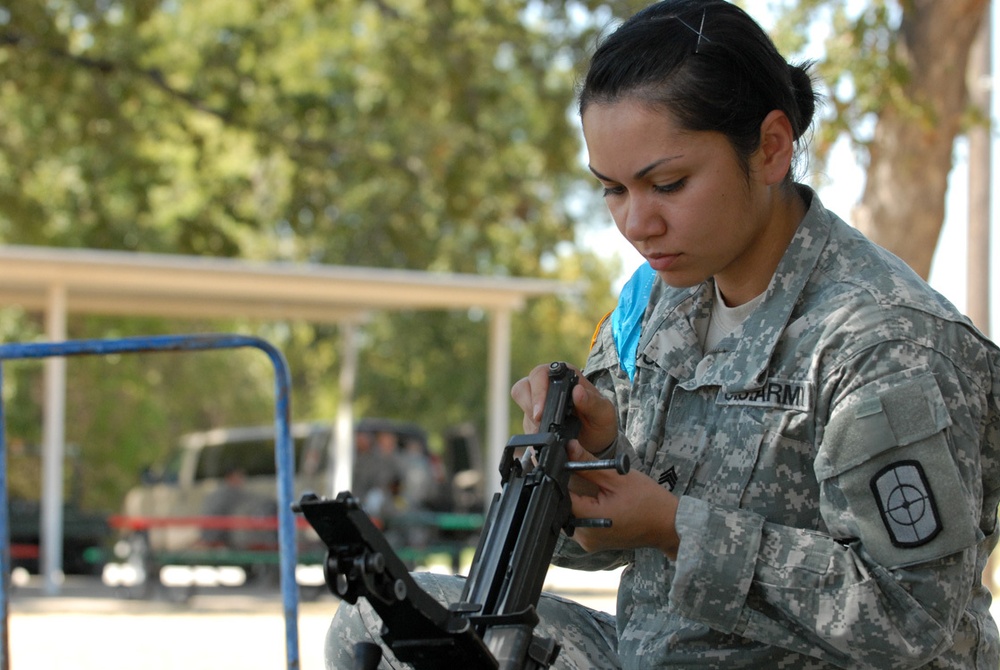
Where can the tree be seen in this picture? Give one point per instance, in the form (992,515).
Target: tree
(321,130)
(895,73)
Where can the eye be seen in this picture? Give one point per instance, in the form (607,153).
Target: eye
(670,188)
(613,190)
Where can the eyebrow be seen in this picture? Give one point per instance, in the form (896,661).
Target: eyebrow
(641,173)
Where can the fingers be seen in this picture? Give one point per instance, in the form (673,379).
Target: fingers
(579,482)
(601,479)
(576,452)
(598,418)
(629,501)
(529,394)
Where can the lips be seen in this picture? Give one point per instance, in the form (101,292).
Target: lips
(661,262)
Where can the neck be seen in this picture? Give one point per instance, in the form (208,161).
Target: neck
(741,284)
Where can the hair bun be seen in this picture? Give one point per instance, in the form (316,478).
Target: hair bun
(805,96)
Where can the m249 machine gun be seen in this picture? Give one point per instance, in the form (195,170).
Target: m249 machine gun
(492,625)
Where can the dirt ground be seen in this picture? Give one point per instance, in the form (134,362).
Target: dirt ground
(88,627)
(245,631)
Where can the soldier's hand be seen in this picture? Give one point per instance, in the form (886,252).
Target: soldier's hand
(598,419)
(626,500)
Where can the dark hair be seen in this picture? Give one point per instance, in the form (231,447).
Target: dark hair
(708,64)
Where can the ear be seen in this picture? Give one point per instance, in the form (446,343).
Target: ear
(777,146)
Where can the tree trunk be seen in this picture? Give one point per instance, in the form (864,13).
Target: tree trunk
(902,208)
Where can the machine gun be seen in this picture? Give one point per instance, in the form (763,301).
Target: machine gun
(492,626)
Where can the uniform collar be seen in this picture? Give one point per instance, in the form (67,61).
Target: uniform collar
(741,360)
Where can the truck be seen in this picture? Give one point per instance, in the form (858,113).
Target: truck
(212,506)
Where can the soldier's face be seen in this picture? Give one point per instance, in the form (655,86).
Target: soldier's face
(681,198)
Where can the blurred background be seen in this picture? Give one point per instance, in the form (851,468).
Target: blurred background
(427,135)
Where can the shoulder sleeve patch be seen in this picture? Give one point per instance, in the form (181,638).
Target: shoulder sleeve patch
(888,475)
(597,330)
(906,503)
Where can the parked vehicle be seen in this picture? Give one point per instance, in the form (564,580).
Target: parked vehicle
(202,466)
(214,503)
(86,537)
(85,533)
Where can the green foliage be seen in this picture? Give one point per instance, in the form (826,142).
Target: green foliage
(425,134)
(125,412)
(320,131)
(858,68)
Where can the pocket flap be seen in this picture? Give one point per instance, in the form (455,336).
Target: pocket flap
(878,418)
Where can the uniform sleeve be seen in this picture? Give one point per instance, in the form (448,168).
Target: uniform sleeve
(907,530)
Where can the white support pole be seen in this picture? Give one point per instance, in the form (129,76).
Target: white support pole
(53,447)
(343,442)
(498,399)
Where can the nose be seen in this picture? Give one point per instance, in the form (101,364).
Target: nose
(642,219)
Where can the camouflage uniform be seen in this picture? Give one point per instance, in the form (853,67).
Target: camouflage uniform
(587,636)
(836,459)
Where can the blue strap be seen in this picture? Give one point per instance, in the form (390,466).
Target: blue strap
(626,319)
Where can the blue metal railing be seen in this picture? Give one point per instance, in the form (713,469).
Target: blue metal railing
(283,457)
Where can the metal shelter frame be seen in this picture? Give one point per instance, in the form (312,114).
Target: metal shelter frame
(58,281)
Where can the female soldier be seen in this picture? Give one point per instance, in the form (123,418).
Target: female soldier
(814,431)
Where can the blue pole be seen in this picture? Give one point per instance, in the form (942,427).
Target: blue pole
(284,456)
(4,538)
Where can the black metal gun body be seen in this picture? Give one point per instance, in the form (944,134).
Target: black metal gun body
(492,626)
(360,562)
